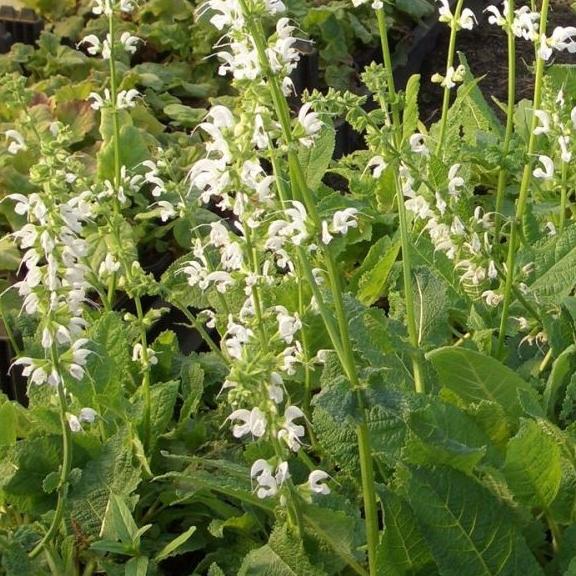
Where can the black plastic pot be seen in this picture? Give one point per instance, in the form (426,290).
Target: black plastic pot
(18,26)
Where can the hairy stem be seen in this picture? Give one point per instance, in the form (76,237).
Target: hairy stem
(66,462)
(502,175)
(402,216)
(523,195)
(449,64)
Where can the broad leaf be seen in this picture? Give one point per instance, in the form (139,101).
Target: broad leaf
(476,377)
(316,159)
(533,468)
(467,529)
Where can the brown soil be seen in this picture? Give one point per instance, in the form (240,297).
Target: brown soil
(486,50)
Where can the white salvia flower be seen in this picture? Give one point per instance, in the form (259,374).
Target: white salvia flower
(211,177)
(526,24)
(17,143)
(167,210)
(222,280)
(418,144)
(221,116)
(441,204)
(573,116)
(275,6)
(127,6)
(252,422)
(242,61)
(544,119)
(492,298)
(311,123)
(548,172)
(127,98)
(94,45)
(492,271)
(290,432)
(468,19)
(455,182)
(74,423)
(550,229)
(564,143)
(129,42)
(276,388)
(316,482)
(544,51)
(343,220)
(287,325)
(108,266)
(563,39)
(495,16)
(236,337)
(326,236)
(87,415)
(34,369)
(445,12)
(378,166)
(419,206)
(97,101)
(138,355)
(102,7)
(453,76)
(268,484)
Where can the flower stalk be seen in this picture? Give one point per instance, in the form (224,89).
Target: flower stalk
(524,189)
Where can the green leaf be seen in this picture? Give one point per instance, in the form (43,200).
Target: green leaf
(475,377)
(562,370)
(133,151)
(118,521)
(171,548)
(9,254)
(532,467)
(555,267)
(284,555)
(372,275)
(411,115)
(163,399)
(442,434)
(467,529)
(316,159)
(402,549)
(137,566)
(184,115)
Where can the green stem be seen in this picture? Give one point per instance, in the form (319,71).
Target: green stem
(563,196)
(146,378)
(524,189)
(66,462)
(502,175)
(340,336)
(402,216)
(449,64)
(15,348)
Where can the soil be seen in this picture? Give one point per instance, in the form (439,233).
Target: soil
(486,50)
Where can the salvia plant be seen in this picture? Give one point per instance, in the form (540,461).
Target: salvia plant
(373,380)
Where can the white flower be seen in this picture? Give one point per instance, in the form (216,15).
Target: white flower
(311,123)
(548,172)
(291,356)
(275,6)
(97,101)
(492,298)
(17,143)
(550,229)
(526,24)
(495,16)
(276,388)
(36,370)
(419,206)
(544,119)
(378,165)
(316,482)
(326,236)
(167,211)
(108,266)
(102,7)
(573,116)
(444,10)
(127,5)
(138,355)
(236,337)
(93,42)
(252,422)
(129,42)
(454,181)
(418,144)
(290,432)
(564,143)
(467,19)
(74,423)
(287,325)
(127,98)
(343,220)
(222,280)
(268,484)
(209,176)
(87,415)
